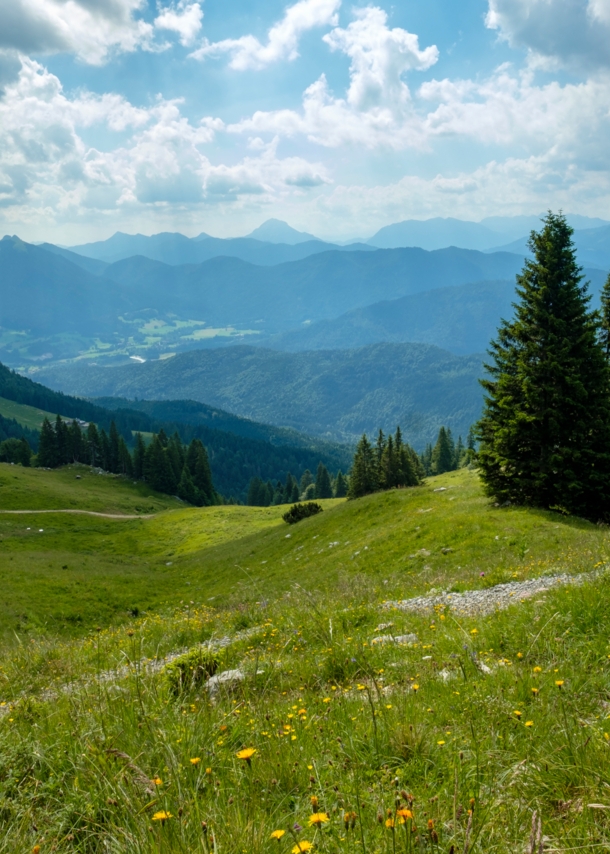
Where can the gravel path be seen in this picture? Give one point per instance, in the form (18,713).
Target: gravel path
(486,601)
(82,513)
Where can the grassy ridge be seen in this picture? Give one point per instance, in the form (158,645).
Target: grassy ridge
(28,416)
(454,740)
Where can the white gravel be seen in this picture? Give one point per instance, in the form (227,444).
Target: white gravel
(486,601)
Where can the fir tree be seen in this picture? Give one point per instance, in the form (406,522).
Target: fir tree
(47,446)
(306,479)
(157,468)
(364,474)
(76,443)
(125,464)
(62,435)
(186,488)
(443,454)
(545,430)
(340,485)
(104,450)
(93,445)
(139,452)
(323,485)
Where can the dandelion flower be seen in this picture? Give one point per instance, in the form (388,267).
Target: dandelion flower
(415,688)
(157,781)
(517,714)
(303,845)
(440,743)
(474,631)
(529,723)
(404,813)
(195,761)
(559,683)
(318,819)
(277,834)
(208,770)
(247,753)
(162,816)
(535,691)
(537,669)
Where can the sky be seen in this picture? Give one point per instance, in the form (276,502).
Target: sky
(338,117)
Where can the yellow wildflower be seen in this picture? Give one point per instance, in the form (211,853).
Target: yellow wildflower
(157,781)
(162,816)
(195,761)
(247,753)
(303,845)
(318,819)
(277,834)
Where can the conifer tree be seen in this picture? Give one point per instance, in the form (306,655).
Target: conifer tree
(93,445)
(104,450)
(340,485)
(139,452)
(545,430)
(63,441)
(605,318)
(47,446)
(157,468)
(364,474)
(186,488)
(306,479)
(76,443)
(443,453)
(323,485)
(125,464)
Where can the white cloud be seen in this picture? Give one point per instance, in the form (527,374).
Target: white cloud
(88,28)
(157,158)
(184,19)
(247,52)
(377,108)
(555,32)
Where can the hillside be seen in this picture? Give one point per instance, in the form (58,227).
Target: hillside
(462,319)
(458,720)
(334,394)
(238,449)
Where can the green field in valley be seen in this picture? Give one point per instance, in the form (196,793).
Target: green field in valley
(28,416)
(453,736)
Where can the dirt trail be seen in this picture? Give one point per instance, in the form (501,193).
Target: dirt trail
(83,513)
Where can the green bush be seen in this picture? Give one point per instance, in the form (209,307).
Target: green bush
(301,511)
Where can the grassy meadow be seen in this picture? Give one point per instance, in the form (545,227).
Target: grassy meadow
(460,740)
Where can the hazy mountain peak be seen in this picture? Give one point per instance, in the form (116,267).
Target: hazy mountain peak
(278,231)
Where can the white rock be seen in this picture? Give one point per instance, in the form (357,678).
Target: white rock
(226,678)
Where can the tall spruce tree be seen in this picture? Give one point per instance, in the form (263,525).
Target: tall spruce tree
(323,485)
(443,453)
(545,430)
(47,446)
(364,476)
(340,485)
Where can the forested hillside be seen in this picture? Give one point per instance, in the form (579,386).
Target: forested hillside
(234,459)
(334,394)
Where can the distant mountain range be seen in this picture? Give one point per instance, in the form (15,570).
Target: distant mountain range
(275,242)
(334,394)
(592,244)
(52,309)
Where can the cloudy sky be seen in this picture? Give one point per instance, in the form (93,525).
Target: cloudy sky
(213,116)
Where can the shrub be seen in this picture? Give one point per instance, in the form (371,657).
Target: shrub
(301,511)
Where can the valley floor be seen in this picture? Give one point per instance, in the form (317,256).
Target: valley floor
(370,722)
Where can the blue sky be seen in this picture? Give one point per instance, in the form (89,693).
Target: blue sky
(338,117)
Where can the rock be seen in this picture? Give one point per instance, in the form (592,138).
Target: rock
(440,489)
(383,626)
(226,679)
(407,639)
(446,551)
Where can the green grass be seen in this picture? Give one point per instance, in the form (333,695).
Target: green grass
(362,728)
(27,416)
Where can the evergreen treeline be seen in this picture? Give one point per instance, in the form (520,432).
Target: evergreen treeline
(388,464)
(261,494)
(446,454)
(545,430)
(166,464)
